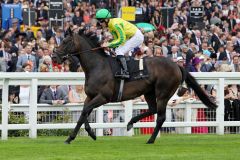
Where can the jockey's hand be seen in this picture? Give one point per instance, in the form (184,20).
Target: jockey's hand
(105,44)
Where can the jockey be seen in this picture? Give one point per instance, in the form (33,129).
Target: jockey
(126,37)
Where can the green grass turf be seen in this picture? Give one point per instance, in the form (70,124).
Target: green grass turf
(168,147)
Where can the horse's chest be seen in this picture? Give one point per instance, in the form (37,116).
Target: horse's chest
(92,88)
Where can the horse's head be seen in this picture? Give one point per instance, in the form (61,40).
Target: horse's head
(68,47)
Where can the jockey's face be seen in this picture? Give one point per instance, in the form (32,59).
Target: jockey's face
(102,22)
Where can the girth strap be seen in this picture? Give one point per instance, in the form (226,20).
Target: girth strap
(120,90)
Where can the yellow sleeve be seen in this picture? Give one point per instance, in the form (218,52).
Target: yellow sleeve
(121,36)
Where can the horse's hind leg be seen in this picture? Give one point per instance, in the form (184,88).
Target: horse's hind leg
(161,117)
(152,105)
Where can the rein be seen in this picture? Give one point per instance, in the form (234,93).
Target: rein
(93,49)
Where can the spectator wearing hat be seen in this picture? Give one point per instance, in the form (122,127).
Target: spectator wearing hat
(196,65)
(180,61)
(14,24)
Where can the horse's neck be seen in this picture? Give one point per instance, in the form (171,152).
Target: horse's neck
(92,60)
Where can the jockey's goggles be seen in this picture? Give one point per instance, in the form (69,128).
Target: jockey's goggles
(101,20)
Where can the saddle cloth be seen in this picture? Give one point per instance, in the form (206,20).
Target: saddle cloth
(136,69)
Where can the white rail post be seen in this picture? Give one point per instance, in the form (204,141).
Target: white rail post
(99,119)
(5,106)
(33,109)
(128,115)
(188,117)
(220,109)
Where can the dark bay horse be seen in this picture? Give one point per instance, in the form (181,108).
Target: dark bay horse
(164,78)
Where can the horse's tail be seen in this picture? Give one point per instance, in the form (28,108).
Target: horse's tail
(192,83)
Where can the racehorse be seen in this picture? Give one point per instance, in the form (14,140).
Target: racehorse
(164,78)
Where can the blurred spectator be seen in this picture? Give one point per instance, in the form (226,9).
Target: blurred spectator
(215,40)
(5,57)
(51,95)
(196,65)
(58,37)
(24,93)
(77,18)
(175,53)
(77,94)
(43,68)
(235,64)
(27,57)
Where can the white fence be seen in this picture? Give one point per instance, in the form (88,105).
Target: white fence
(36,79)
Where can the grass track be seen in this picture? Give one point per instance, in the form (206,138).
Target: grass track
(168,147)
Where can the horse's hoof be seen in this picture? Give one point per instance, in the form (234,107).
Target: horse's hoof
(129,126)
(150,141)
(93,136)
(67,142)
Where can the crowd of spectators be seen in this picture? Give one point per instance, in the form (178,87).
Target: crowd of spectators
(212,47)
(201,49)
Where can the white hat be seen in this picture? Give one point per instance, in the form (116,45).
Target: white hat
(179,58)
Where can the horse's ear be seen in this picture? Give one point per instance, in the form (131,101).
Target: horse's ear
(81,31)
(70,31)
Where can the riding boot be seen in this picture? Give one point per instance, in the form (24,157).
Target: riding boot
(124,73)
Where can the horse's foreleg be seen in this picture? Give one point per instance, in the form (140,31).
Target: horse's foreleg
(89,129)
(87,126)
(152,105)
(94,103)
(161,117)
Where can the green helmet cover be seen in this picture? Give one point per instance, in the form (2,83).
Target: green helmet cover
(103,13)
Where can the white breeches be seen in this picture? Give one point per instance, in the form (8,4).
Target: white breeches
(133,42)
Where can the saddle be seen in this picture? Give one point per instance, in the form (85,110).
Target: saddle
(137,68)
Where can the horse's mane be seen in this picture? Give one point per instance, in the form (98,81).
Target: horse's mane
(92,40)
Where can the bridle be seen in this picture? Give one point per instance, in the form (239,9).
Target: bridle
(69,55)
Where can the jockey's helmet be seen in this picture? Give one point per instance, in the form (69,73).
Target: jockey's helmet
(103,14)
